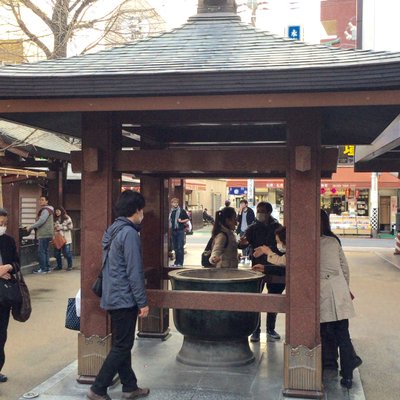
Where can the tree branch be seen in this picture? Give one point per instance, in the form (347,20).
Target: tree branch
(31,36)
(40,13)
(77,13)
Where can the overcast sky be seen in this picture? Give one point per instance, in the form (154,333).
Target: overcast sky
(175,12)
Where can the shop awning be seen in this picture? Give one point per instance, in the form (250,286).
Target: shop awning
(343,177)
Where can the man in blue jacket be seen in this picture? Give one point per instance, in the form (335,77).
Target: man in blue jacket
(124,296)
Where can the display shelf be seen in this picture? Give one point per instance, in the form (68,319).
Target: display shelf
(350,225)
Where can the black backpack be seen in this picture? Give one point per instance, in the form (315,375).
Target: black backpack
(205,255)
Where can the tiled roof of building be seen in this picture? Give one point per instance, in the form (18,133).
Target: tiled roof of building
(216,55)
(26,137)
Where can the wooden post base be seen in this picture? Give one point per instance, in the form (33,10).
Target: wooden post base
(303,372)
(156,325)
(92,352)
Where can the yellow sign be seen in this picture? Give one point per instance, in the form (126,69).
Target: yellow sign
(349,150)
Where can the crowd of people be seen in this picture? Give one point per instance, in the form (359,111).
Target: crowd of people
(263,238)
(259,235)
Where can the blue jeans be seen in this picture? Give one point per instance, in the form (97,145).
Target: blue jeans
(178,241)
(118,361)
(66,250)
(43,253)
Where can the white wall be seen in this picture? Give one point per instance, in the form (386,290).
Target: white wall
(381,24)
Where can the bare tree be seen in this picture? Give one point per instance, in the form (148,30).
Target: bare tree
(62,21)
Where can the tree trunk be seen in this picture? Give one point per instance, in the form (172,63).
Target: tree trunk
(60,28)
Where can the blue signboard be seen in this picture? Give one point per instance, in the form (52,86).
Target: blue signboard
(237,191)
(294,32)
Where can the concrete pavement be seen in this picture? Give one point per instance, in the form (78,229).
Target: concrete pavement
(41,354)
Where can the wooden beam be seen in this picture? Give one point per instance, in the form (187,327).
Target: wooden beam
(270,100)
(223,301)
(179,162)
(206,163)
(237,161)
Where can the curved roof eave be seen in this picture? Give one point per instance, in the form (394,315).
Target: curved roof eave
(204,56)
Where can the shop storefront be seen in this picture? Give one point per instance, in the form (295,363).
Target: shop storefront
(348,208)
(346,198)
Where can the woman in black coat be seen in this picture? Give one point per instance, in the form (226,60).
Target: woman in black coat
(8,256)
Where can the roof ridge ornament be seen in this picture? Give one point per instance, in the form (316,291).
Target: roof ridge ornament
(212,6)
(216,9)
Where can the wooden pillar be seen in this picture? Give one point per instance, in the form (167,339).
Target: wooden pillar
(57,177)
(101,137)
(303,369)
(11,203)
(154,235)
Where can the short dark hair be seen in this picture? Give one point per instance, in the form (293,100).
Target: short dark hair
(243,201)
(128,203)
(3,212)
(266,205)
(45,196)
(281,233)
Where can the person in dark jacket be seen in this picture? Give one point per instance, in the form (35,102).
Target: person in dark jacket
(8,257)
(245,218)
(262,232)
(124,296)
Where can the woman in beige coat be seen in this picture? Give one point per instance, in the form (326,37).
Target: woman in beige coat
(224,253)
(336,306)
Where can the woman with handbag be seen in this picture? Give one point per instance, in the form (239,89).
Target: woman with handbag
(8,256)
(63,226)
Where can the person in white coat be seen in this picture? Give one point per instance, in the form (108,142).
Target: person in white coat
(336,306)
(224,253)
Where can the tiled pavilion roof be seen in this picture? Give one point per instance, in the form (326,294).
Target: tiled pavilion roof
(207,55)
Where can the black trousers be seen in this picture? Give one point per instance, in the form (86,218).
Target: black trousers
(330,353)
(4,319)
(340,331)
(273,288)
(119,360)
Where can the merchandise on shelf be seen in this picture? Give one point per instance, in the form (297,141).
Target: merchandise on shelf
(350,224)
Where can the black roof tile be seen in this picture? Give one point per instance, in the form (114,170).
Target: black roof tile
(204,56)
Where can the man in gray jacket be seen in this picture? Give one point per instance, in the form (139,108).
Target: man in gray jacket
(44,226)
(123,296)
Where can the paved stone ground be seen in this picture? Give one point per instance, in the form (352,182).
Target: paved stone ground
(41,353)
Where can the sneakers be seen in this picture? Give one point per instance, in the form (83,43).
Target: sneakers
(139,392)
(40,271)
(273,335)
(93,396)
(3,378)
(255,337)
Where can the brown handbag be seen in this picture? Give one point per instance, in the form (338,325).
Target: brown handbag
(59,241)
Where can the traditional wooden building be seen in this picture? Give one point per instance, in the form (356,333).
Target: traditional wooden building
(211,98)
